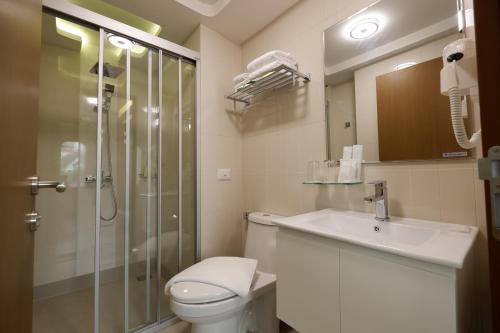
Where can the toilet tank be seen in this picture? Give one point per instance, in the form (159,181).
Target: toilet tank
(261,241)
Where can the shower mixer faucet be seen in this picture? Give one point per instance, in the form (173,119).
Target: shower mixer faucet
(92,179)
(380,199)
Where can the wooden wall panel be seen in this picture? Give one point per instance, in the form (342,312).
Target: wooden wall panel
(414,120)
(20,31)
(487,27)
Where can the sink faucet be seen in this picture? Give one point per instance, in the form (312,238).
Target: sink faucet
(380,200)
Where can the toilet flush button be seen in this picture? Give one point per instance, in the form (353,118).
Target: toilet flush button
(224,174)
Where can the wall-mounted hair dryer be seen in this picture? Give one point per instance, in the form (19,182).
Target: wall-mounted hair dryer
(458,77)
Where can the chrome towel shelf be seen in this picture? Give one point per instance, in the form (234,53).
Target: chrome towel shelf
(277,78)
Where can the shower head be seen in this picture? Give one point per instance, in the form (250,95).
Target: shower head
(108,70)
(109,88)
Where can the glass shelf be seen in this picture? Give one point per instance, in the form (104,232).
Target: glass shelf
(330,182)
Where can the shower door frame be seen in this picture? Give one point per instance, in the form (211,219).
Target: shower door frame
(106,24)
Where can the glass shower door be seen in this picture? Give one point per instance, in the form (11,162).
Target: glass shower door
(178,139)
(189,160)
(131,128)
(118,125)
(64,243)
(169,253)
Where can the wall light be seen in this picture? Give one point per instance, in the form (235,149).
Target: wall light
(364,28)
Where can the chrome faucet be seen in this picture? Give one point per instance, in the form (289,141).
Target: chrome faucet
(380,200)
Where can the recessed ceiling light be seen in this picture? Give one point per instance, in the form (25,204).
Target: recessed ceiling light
(364,28)
(405,65)
(120,41)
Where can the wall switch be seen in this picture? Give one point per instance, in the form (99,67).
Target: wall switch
(224,174)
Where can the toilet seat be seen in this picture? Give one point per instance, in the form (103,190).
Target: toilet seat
(212,316)
(202,293)
(199,293)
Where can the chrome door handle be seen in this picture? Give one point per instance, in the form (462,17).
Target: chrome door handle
(33,219)
(37,184)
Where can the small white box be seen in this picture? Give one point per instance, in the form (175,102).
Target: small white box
(224,174)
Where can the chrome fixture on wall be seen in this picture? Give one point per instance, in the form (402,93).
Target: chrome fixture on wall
(380,199)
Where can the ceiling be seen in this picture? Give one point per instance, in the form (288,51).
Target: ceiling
(398,18)
(238,20)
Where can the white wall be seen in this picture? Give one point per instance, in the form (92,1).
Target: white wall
(221,147)
(288,129)
(366,90)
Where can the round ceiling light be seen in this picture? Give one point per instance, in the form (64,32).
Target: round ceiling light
(405,65)
(364,28)
(120,41)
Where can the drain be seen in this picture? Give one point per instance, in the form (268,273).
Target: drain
(376,228)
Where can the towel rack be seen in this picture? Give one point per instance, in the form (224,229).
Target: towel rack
(278,77)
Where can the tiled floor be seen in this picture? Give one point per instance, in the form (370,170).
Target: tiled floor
(180,327)
(183,327)
(73,312)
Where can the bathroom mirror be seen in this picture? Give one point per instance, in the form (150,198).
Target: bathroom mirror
(382,81)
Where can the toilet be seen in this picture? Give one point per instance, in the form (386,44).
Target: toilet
(212,309)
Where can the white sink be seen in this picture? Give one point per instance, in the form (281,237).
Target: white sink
(440,243)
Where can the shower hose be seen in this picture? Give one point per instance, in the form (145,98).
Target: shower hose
(457,121)
(110,167)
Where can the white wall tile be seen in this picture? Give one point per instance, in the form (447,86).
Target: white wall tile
(425,194)
(457,195)
(221,147)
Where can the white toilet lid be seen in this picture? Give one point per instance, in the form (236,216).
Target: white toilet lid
(197,292)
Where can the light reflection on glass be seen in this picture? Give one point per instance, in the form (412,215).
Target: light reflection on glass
(71,161)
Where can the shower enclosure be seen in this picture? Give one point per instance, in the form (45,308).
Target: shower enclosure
(118,124)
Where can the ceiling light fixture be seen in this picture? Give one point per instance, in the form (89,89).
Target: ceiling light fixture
(120,41)
(405,65)
(364,28)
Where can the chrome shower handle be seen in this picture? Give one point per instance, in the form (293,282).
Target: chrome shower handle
(37,184)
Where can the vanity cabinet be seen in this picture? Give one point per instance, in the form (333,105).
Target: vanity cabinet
(325,285)
(308,283)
